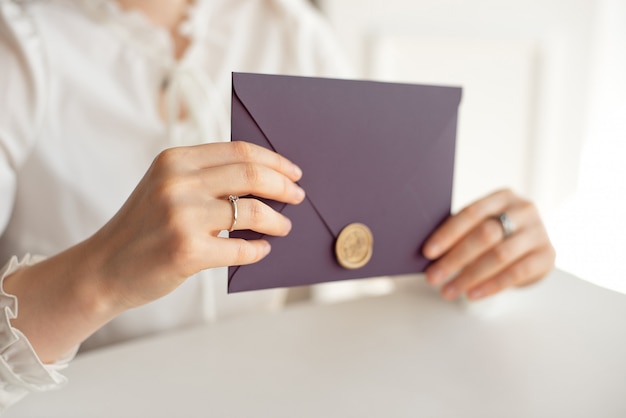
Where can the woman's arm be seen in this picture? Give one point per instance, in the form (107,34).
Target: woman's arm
(165,232)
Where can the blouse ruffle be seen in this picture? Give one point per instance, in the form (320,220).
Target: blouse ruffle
(21,370)
(137,29)
(187,86)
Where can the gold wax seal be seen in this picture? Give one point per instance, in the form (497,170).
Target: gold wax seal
(354,246)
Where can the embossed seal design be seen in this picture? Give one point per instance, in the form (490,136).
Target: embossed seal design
(354,246)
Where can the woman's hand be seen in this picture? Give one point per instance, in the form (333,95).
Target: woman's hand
(168,229)
(474,257)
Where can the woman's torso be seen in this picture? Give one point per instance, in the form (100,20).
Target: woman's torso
(103,73)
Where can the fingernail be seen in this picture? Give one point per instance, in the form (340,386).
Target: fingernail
(431,251)
(266,248)
(449,292)
(475,294)
(434,275)
(300,193)
(297,171)
(288,227)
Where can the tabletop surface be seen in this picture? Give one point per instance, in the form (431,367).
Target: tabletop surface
(556,349)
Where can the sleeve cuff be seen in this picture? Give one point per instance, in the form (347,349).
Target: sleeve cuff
(21,370)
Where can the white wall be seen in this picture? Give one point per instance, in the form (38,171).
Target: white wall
(544,86)
(524,65)
(590,229)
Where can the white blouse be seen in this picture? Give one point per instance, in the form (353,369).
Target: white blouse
(80,125)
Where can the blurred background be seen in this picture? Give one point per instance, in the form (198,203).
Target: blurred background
(543,111)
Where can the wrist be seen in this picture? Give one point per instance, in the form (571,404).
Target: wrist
(61,301)
(90,283)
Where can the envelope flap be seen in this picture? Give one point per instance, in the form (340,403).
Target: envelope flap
(364,146)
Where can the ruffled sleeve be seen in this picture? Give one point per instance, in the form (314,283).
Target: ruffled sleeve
(21,371)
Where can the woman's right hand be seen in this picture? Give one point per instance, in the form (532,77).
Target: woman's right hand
(168,228)
(166,231)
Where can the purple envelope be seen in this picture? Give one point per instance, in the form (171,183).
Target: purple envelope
(378,154)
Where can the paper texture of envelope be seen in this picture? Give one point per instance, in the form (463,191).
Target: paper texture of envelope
(374,154)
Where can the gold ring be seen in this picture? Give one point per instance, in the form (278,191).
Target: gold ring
(233,201)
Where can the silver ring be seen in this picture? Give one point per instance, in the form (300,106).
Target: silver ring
(233,201)
(508,227)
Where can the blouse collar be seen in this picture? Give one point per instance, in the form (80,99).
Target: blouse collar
(136,29)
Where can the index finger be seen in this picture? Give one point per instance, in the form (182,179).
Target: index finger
(459,225)
(226,153)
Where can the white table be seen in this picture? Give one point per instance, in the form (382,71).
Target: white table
(557,349)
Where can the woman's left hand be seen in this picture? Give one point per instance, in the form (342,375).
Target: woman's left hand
(475,257)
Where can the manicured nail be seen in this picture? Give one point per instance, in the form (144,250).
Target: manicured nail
(288,226)
(300,193)
(297,171)
(449,292)
(475,294)
(431,251)
(434,275)
(266,248)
